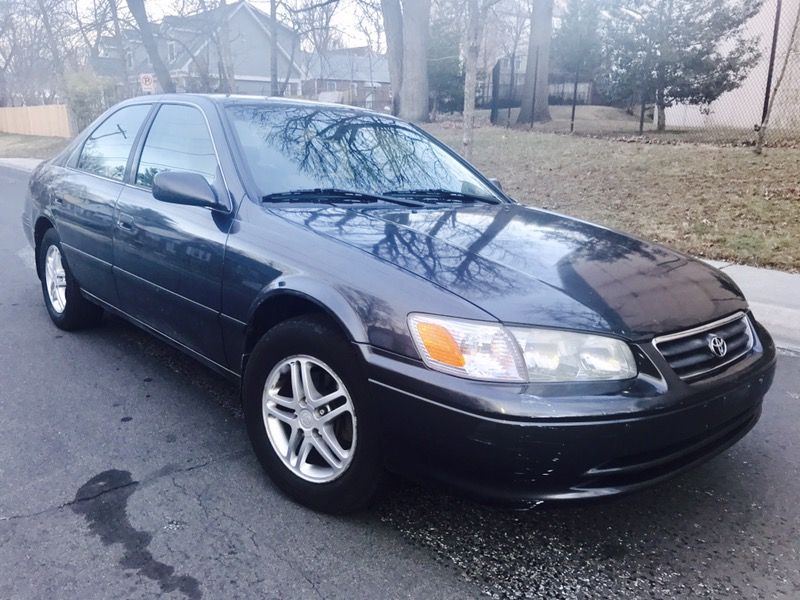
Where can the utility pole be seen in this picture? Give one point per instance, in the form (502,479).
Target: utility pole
(771,68)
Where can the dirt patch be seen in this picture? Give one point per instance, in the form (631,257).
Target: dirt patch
(724,203)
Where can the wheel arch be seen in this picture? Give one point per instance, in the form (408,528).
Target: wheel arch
(282,301)
(39,229)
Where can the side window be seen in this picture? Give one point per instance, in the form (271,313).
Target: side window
(178,141)
(105,152)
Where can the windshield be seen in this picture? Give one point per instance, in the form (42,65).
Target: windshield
(302,148)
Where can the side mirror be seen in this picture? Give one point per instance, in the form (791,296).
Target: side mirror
(496,183)
(179,187)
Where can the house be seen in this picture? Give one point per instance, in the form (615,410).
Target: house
(191,46)
(355,76)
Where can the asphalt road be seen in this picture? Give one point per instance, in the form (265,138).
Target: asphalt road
(125,472)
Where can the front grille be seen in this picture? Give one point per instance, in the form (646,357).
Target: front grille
(691,353)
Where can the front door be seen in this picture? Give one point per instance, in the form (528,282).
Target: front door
(168,257)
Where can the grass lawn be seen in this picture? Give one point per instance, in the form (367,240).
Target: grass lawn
(722,203)
(29,146)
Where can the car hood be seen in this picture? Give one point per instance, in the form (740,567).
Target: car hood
(533,267)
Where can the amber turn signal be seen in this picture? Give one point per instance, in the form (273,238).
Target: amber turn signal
(439,343)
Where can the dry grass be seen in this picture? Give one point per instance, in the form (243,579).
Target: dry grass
(721,203)
(29,146)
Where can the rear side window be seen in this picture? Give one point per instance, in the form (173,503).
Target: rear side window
(178,141)
(105,152)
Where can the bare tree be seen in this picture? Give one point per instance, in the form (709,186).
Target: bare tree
(477,12)
(535,94)
(35,50)
(370,23)
(92,21)
(407,28)
(149,42)
(313,21)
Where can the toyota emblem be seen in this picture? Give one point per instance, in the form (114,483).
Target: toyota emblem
(717,346)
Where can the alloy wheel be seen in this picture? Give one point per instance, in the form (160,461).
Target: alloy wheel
(55,279)
(309,418)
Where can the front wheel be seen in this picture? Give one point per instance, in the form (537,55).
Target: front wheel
(66,305)
(309,417)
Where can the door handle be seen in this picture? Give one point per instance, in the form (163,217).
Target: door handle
(126,223)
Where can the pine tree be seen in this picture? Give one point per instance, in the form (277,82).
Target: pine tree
(678,51)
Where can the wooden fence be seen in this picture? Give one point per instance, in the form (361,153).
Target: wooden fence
(50,120)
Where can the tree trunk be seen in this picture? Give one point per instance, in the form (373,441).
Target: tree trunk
(414,88)
(470,75)
(661,109)
(393,26)
(274,88)
(149,42)
(535,92)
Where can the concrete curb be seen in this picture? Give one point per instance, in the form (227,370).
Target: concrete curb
(774,296)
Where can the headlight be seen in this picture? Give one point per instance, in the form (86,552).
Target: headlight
(468,348)
(491,351)
(553,355)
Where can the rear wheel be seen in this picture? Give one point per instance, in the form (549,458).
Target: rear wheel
(309,419)
(66,305)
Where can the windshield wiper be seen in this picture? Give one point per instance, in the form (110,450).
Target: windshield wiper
(442,194)
(330,195)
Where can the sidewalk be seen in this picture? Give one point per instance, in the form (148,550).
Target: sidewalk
(21,164)
(774,296)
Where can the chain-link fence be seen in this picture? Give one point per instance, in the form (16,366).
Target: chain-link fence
(733,118)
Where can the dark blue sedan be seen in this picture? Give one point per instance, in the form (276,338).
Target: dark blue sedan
(385,307)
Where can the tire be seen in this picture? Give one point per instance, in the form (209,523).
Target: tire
(65,304)
(312,344)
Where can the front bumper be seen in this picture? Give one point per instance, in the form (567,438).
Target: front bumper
(519,445)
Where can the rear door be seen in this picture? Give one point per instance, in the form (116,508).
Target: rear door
(168,257)
(84,195)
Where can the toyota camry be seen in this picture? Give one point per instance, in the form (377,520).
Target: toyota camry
(386,308)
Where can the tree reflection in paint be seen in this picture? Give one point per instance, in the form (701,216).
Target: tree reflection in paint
(299,147)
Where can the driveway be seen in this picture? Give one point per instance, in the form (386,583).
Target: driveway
(125,472)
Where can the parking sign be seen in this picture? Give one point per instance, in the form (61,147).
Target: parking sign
(147,82)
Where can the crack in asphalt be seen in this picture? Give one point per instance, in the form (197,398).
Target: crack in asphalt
(166,471)
(285,559)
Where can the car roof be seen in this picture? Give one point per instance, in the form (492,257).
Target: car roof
(265,100)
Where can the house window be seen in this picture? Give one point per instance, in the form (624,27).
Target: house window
(330,86)
(171,51)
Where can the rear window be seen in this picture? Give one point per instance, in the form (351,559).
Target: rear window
(105,152)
